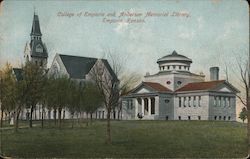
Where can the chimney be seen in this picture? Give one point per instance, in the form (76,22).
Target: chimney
(214,73)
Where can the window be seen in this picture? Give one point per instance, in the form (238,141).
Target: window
(185,67)
(184,102)
(168,82)
(229,118)
(215,117)
(223,101)
(41,63)
(152,105)
(219,104)
(168,67)
(179,82)
(224,118)
(179,101)
(219,117)
(166,117)
(189,117)
(163,67)
(189,101)
(194,102)
(199,117)
(36,62)
(199,102)
(39,48)
(228,99)
(179,67)
(214,100)
(179,117)
(174,67)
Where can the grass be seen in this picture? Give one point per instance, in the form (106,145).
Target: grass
(131,139)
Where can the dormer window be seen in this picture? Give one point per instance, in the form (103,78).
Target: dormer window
(39,48)
(179,82)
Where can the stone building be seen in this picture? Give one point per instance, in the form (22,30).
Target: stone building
(175,93)
(74,67)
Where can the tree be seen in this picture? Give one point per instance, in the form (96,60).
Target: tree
(243,114)
(62,86)
(108,85)
(92,99)
(34,78)
(8,90)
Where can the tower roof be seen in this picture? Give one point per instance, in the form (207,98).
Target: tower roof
(174,57)
(36,26)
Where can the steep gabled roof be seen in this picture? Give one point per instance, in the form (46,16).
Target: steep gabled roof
(35,30)
(18,73)
(112,73)
(200,86)
(77,66)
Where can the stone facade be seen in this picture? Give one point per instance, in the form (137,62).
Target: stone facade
(179,94)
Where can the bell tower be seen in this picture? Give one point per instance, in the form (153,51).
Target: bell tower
(36,51)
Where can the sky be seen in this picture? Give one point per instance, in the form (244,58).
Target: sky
(210,32)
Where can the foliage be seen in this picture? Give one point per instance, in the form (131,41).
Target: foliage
(243,114)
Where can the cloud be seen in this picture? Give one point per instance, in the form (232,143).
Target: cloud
(185,33)
(200,22)
(229,29)
(121,27)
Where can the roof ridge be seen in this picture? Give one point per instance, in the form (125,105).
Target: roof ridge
(195,85)
(76,56)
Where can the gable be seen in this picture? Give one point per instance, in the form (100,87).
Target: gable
(224,89)
(77,66)
(142,90)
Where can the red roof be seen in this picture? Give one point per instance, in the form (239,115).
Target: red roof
(200,86)
(156,86)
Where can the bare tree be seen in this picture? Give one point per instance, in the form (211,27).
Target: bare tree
(111,88)
(108,85)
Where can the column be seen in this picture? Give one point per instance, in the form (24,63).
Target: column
(149,106)
(142,106)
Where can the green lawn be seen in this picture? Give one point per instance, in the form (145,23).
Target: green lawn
(130,139)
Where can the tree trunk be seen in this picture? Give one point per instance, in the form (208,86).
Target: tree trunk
(31,115)
(87,120)
(17,120)
(72,118)
(54,116)
(1,118)
(42,117)
(59,116)
(91,117)
(108,140)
